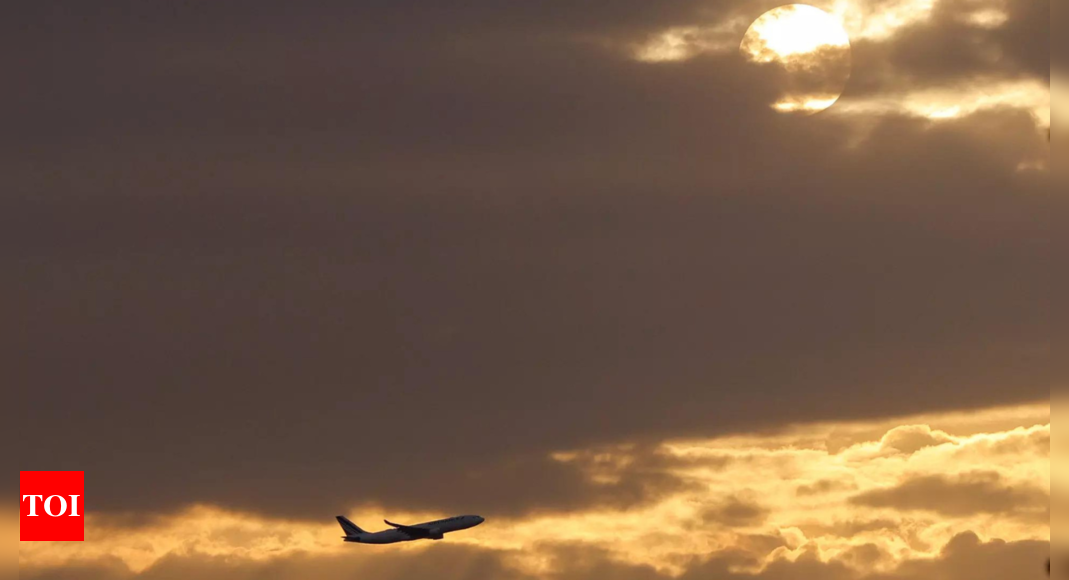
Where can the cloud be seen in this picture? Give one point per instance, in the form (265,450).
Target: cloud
(967,494)
(966,557)
(266,263)
(735,513)
(557,483)
(9,532)
(913,438)
(965,49)
(285,261)
(667,506)
(823,486)
(448,563)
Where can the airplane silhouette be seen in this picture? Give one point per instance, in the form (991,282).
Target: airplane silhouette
(435,530)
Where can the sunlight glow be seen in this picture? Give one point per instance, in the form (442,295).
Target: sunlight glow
(1059,515)
(881,20)
(804,104)
(809,47)
(1059,93)
(803,30)
(674,44)
(988,18)
(686,42)
(797,29)
(959,101)
(796,490)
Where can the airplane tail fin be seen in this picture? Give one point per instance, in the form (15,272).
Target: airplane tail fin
(350,528)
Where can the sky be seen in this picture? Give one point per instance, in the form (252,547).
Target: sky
(583,268)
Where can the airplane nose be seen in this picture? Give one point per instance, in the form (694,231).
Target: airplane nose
(480,519)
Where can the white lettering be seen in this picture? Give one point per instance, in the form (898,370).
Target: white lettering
(48,505)
(74,506)
(33,503)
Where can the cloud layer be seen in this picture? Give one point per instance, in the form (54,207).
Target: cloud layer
(282,260)
(814,497)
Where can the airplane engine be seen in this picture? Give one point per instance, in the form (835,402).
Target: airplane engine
(436,535)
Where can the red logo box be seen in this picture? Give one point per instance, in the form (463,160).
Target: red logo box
(53,506)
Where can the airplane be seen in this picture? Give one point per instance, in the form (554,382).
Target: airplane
(435,530)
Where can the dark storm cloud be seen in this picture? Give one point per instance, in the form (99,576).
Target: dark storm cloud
(289,260)
(976,493)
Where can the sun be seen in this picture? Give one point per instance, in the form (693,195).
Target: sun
(797,29)
(812,50)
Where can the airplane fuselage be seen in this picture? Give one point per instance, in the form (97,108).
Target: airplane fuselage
(435,530)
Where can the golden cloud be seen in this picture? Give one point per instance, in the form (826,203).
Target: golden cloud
(868,496)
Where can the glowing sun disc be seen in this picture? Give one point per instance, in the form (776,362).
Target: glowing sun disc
(811,46)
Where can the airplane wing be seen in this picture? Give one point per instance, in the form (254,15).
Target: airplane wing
(410,530)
